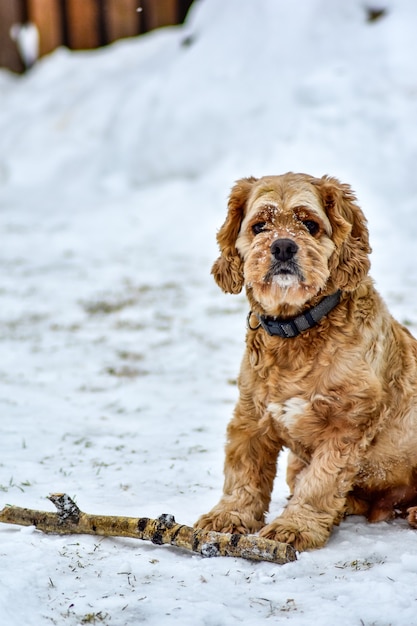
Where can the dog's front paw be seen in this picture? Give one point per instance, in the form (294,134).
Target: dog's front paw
(225,520)
(301,533)
(412,516)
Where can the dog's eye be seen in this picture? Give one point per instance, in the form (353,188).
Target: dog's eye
(258,228)
(311,226)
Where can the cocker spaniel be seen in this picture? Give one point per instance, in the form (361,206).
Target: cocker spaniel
(327,372)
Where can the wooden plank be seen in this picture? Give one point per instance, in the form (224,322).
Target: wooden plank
(122,19)
(160,13)
(11,12)
(83,24)
(47,17)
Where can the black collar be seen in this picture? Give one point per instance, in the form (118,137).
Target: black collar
(292,327)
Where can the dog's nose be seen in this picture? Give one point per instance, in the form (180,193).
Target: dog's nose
(284,249)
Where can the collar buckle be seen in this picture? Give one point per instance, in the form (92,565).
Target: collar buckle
(248,324)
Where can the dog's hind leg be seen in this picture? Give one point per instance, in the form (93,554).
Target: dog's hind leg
(294,466)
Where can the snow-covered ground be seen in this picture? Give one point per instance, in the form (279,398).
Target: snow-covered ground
(119,354)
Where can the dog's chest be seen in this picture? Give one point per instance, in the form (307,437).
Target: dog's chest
(299,393)
(292,420)
(301,416)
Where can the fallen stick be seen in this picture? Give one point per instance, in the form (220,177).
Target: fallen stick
(69,519)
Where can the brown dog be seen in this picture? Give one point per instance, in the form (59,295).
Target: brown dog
(327,372)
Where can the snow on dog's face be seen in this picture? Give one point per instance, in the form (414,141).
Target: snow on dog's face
(289,238)
(285,243)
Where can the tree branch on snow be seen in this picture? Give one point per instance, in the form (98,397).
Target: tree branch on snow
(69,519)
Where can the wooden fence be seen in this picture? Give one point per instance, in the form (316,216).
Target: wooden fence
(82,24)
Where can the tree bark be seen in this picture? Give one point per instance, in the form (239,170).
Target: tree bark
(69,519)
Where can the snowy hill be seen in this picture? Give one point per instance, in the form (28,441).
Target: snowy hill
(119,354)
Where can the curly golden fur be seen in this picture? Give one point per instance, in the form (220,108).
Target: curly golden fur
(342,396)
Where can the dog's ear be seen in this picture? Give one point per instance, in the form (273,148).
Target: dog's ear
(228,269)
(349,263)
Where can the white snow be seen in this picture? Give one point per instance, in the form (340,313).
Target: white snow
(26,37)
(119,353)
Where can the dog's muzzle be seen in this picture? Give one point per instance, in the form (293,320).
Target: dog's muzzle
(283,260)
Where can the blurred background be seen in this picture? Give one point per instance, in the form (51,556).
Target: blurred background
(32,28)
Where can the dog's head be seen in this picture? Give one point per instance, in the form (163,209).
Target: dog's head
(289,238)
